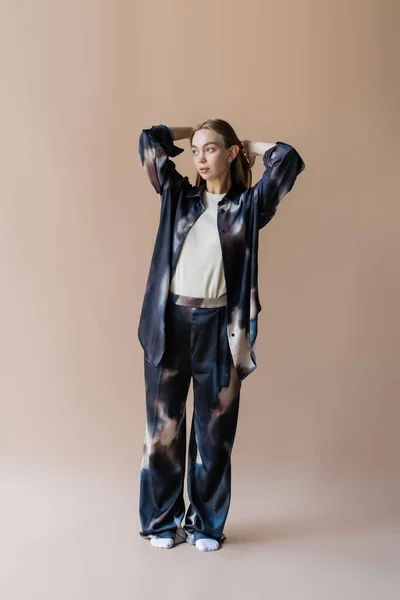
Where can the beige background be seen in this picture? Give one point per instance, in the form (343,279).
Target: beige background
(315,503)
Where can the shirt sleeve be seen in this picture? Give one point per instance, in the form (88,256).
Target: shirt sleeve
(282,166)
(156,146)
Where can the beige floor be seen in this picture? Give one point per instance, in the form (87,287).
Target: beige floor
(76,537)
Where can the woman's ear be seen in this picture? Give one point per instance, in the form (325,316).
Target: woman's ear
(234,151)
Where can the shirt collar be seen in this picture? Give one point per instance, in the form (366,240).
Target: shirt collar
(233,194)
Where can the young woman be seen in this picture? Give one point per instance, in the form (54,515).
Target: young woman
(199,319)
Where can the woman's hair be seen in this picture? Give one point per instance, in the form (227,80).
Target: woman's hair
(240,170)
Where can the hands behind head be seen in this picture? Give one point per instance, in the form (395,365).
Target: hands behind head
(250,156)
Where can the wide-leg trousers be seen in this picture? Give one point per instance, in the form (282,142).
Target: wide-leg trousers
(197,347)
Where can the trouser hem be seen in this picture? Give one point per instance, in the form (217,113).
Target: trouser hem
(191,538)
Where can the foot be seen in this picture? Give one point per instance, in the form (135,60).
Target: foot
(159,542)
(207,545)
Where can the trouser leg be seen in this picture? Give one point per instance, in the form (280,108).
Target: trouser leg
(216,389)
(163,464)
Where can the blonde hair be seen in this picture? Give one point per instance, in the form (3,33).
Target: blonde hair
(240,170)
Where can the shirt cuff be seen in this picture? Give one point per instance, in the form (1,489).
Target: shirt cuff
(163,135)
(281,149)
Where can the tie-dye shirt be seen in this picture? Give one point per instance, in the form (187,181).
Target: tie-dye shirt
(241,214)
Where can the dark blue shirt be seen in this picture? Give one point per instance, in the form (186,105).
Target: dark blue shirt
(241,214)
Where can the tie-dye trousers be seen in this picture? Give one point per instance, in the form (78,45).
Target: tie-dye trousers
(196,347)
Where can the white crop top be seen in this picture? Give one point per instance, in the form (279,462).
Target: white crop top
(199,272)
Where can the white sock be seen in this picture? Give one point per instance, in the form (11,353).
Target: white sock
(159,542)
(207,544)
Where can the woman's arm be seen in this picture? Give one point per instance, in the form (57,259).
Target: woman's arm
(181,133)
(254,149)
(282,165)
(156,147)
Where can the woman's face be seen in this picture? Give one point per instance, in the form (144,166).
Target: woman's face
(210,156)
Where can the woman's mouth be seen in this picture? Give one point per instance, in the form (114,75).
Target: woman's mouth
(204,169)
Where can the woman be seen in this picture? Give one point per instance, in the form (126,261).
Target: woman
(199,319)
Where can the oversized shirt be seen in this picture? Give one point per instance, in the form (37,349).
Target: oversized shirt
(241,214)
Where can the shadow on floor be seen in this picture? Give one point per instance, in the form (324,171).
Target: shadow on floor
(307,527)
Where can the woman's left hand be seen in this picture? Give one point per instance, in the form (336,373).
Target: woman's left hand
(250,155)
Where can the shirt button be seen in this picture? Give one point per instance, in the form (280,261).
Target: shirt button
(232,334)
